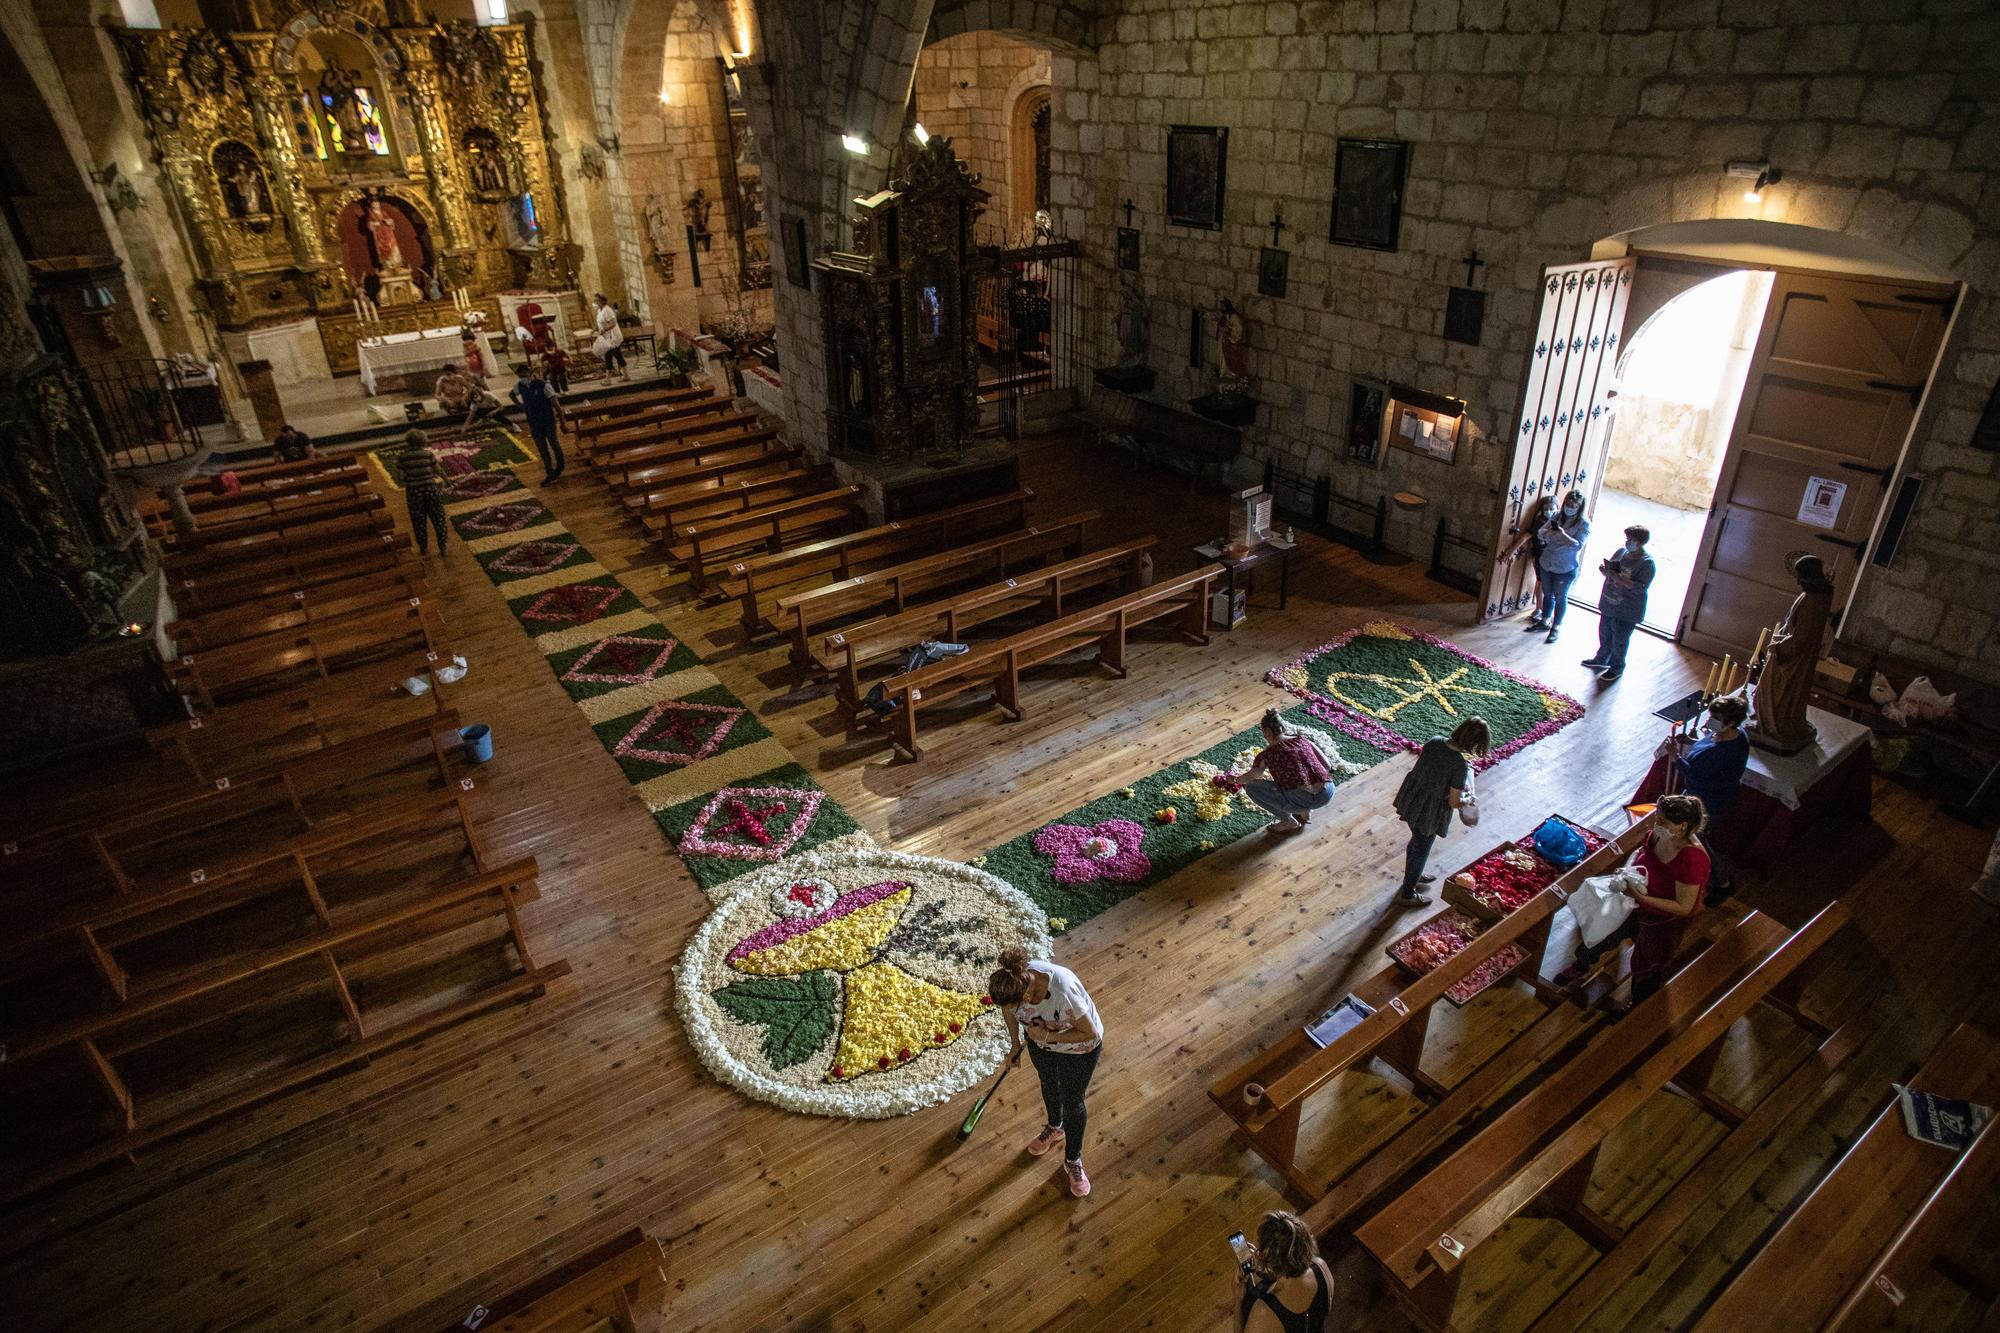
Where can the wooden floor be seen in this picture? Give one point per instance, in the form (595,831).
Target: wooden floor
(400,1195)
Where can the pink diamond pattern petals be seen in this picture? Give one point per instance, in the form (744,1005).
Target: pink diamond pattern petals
(509,517)
(678,733)
(534,557)
(621,659)
(731,823)
(573,603)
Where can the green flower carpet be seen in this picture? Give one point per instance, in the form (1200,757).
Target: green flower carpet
(1396,687)
(1102,853)
(726,793)
(460,453)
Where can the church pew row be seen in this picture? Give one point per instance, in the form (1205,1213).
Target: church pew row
(369,546)
(298,546)
(670,512)
(670,445)
(248,534)
(263,983)
(1542,1148)
(998,665)
(739,445)
(598,416)
(212,511)
(757,582)
(619,1287)
(758,457)
(1043,593)
(805,616)
(274,660)
(294,608)
(1848,1255)
(706,551)
(1268,1095)
(109,847)
(264,474)
(662,425)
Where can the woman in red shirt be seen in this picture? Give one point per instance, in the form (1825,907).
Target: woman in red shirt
(1676,867)
(1300,781)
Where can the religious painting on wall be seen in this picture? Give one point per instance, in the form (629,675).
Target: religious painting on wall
(239,175)
(486,165)
(1366,403)
(792,233)
(1128,249)
(1197,162)
(744,185)
(1368,192)
(1273,270)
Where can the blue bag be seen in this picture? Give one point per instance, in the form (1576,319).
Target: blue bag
(1558,842)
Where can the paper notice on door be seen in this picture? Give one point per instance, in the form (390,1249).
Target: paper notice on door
(1820,506)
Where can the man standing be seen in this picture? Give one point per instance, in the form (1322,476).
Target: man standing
(538,408)
(1622,604)
(417,469)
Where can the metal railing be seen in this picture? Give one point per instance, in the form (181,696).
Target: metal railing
(150,411)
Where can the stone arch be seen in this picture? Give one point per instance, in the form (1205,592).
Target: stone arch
(1068,26)
(1027,101)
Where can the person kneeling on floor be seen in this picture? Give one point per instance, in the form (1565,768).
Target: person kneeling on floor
(1300,778)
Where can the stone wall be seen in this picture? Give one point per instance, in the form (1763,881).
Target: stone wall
(969,89)
(1539,127)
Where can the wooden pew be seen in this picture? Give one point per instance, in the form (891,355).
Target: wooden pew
(299,545)
(296,607)
(743,461)
(212,511)
(707,550)
(247,982)
(1846,1256)
(368,547)
(262,474)
(1294,1070)
(666,469)
(599,416)
(757,580)
(805,616)
(618,1287)
(318,649)
(1544,1146)
(669,444)
(1043,592)
(998,665)
(259,528)
(657,424)
(671,512)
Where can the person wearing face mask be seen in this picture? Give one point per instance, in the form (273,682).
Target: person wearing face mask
(1562,539)
(1712,769)
(1676,866)
(1622,604)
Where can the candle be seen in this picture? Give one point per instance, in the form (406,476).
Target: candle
(1708,685)
(1763,637)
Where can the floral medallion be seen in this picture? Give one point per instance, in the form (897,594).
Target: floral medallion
(620,659)
(752,823)
(852,982)
(534,557)
(511,516)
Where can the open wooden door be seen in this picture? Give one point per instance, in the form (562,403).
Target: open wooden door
(1839,368)
(1570,367)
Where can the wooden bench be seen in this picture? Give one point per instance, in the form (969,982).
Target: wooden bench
(658,424)
(241,983)
(296,607)
(1544,1146)
(746,460)
(599,417)
(669,512)
(1848,1254)
(713,548)
(229,558)
(257,528)
(668,468)
(1156,429)
(1042,592)
(805,616)
(266,661)
(998,665)
(616,1287)
(672,444)
(200,587)
(262,474)
(756,582)
(212,511)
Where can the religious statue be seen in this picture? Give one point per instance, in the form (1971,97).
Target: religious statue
(244,193)
(696,211)
(1784,685)
(336,94)
(1231,335)
(1134,327)
(382,235)
(488,175)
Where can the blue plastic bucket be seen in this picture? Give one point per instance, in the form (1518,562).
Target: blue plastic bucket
(478,743)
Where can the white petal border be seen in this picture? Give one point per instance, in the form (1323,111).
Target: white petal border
(945,1073)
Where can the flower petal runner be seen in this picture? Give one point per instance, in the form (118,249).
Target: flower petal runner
(1396,687)
(461,454)
(725,792)
(851,981)
(1102,853)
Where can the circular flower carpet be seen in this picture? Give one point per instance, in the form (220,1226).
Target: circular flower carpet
(852,982)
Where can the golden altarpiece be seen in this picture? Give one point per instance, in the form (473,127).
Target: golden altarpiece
(358,163)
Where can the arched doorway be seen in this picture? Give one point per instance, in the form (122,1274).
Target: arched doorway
(1029,172)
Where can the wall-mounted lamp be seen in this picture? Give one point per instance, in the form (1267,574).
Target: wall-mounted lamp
(919,133)
(1759,174)
(666,97)
(855,144)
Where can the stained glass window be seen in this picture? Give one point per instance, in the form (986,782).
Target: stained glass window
(306,126)
(370,117)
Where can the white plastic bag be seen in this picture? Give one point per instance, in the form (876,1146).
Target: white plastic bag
(1600,904)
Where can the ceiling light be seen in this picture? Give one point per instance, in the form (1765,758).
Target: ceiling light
(854,143)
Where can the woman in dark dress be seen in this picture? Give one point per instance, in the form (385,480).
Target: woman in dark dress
(1431,795)
(1284,1287)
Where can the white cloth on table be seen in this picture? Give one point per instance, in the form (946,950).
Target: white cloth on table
(400,353)
(1787,777)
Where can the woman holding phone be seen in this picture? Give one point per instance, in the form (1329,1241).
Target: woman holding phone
(1282,1285)
(1064,1039)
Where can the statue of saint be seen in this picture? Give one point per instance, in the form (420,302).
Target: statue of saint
(382,234)
(1134,327)
(487,175)
(243,189)
(1231,337)
(696,210)
(1784,685)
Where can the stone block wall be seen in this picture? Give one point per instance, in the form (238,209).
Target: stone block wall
(968,89)
(1538,129)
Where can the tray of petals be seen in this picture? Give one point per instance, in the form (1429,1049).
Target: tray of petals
(1435,942)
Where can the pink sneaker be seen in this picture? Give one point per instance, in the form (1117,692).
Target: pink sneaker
(1079,1183)
(1050,1136)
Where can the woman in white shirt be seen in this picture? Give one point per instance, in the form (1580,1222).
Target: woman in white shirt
(610,338)
(1064,1039)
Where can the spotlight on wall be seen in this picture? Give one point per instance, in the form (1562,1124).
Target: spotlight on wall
(919,133)
(855,144)
(1759,174)
(666,98)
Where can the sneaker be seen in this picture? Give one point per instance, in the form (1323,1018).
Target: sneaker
(1609,674)
(942,650)
(1050,1136)
(1596,662)
(1533,625)
(1413,900)
(1284,827)
(1553,631)
(1079,1183)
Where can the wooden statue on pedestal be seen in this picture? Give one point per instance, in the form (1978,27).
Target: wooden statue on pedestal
(896,316)
(1784,685)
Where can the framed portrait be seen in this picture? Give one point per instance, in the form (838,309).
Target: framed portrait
(1197,162)
(792,234)
(1273,266)
(1128,249)
(1368,179)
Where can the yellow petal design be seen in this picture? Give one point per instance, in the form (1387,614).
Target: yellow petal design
(843,943)
(890,1011)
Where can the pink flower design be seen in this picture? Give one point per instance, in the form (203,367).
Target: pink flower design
(1107,851)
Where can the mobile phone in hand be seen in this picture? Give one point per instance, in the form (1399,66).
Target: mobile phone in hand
(1241,1248)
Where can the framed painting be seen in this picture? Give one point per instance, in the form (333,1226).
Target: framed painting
(1197,172)
(1368,179)
(1273,270)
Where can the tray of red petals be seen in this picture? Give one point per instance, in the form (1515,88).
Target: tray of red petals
(1507,877)
(1488,972)
(1432,944)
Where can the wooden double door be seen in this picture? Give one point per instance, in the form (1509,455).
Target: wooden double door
(1838,370)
